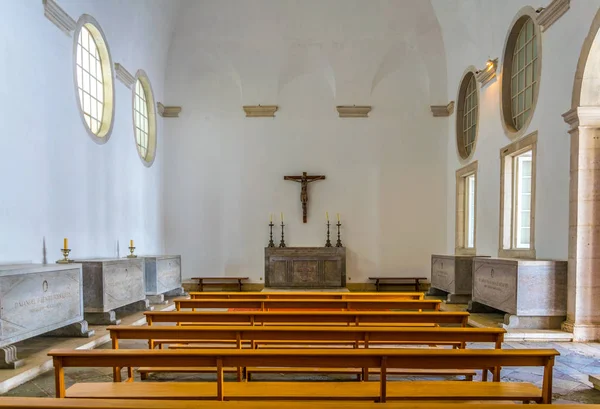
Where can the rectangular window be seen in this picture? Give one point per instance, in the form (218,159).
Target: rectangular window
(470,211)
(517,203)
(466,210)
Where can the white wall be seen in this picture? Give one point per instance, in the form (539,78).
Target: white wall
(475,30)
(385,174)
(56,182)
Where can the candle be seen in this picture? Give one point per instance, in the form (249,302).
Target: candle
(65,243)
(338,217)
(281,217)
(130,243)
(327,215)
(271,217)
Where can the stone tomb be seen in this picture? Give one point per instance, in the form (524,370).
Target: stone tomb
(38,299)
(109,284)
(532,293)
(163,277)
(452,276)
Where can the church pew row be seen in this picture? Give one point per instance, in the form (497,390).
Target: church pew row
(380,391)
(265,305)
(307,295)
(387,318)
(255,336)
(49,403)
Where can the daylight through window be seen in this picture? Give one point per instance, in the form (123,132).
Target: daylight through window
(90,81)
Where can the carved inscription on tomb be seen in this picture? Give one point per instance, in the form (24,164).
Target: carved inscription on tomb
(31,301)
(496,286)
(442,274)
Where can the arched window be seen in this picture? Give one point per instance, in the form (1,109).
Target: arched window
(521,73)
(144,118)
(467,115)
(93,74)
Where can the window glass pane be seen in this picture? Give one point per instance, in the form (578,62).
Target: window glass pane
(470,211)
(523,199)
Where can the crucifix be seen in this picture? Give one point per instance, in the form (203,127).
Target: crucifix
(304,180)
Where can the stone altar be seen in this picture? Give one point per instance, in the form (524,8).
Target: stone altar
(532,293)
(305,267)
(109,284)
(163,277)
(38,299)
(452,275)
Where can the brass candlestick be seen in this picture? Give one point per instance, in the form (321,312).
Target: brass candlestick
(65,259)
(282,242)
(131,249)
(339,240)
(328,242)
(271,243)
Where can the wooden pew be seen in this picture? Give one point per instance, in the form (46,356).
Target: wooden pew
(355,336)
(265,305)
(220,282)
(49,403)
(379,281)
(381,391)
(304,295)
(388,318)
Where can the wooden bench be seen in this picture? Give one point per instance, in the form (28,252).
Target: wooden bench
(381,391)
(220,282)
(305,295)
(388,318)
(49,403)
(295,337)
(268,305)
(398,281)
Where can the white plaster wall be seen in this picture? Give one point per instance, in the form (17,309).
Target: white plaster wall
(475,30)
(385,174)
(56,182)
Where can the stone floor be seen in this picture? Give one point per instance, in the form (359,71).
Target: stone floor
(571,384)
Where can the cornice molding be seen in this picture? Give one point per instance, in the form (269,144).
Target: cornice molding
(588,117)
(548,15)
(353,111)
(260,111)
(442,110)
(124,76)
(488,73)
(59,17)
(168,111)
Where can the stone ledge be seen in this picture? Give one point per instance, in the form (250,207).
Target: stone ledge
(442,110)
(595,380)
(548,15)
(59,17)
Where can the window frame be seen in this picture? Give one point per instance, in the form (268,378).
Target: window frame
(505,93)
(460,231)
(108,79)
(142,77)
(508,223)
(470,73)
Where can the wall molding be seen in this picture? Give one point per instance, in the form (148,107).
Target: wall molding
(548,15)
(442,110)
(168,111)
(488,73)
(59,17)
(260,111)
(124,76)
(353,111)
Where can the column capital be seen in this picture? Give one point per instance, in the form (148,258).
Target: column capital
(587,117)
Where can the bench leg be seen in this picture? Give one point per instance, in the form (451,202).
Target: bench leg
(417,286)
(469,378)
(484,375)
(143,376)
(129,374)
(117,374)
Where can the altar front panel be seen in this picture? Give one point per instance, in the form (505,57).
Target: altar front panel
(305,267)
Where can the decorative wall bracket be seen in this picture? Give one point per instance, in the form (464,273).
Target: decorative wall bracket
(260,111)
(548,15)
(124,76)
(168,112)
(353,111)
(59,17)
(442,110)
(488,73)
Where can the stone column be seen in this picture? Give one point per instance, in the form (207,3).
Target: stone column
(583,306)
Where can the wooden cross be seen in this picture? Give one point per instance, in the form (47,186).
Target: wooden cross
(304,180)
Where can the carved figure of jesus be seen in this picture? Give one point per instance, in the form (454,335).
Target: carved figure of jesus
(304,180)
